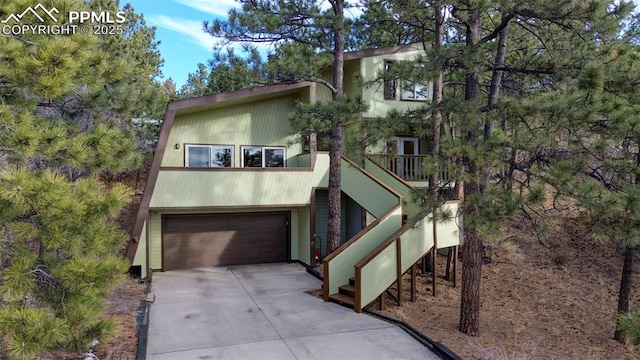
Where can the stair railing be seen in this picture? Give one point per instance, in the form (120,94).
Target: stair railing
(339,265)
(377,271)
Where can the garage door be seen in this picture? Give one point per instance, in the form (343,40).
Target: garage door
(191,241)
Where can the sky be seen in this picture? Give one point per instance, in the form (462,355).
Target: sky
(183,43)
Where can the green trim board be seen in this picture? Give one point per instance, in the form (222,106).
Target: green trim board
(176,188)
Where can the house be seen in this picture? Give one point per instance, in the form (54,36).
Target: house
(228,185)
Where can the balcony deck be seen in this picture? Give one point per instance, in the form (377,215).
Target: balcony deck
(409,167)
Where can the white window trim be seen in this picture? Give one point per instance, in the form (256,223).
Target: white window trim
(413,87)
(263,157)
(403,89)
(211,149)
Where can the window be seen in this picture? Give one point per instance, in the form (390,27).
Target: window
(390,82)
(263,156)
(414,91)
(209,156)
(410,90)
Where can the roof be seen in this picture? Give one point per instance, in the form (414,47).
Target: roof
(385,51)
(208,102)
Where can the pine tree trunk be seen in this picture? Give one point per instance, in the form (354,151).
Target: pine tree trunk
(335,151)
(334,221)
(472,246)
(436,119)
(471,253)
(624,294)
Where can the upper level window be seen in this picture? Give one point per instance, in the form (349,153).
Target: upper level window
(209,155)
(263,156)
(414,91)
(409,90)
(390,81)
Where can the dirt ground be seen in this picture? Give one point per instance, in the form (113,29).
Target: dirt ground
(123,304)
(555,300)
(551,301)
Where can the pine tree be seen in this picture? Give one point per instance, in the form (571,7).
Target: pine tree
(485,151)
(226,71)
(65,102)
(498,59)
(305,26)
(601,166)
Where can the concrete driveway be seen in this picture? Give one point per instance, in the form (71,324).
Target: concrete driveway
(263,312)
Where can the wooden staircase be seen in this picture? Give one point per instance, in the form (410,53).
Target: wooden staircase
(346,294)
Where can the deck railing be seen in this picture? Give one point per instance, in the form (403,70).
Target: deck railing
(409,167)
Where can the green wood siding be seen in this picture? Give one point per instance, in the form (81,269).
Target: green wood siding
(360,188)
(351,72)
(370,218)
(155,240)
(416,241)
(410,206)
(448,232)
(378,275)
(373,95)
(294,233)
(302,160)
(303,242)
(261,123)
(264,187)
(323,93)
(381,272)
(141,252)
(251,187)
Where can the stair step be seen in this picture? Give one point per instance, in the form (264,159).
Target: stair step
(342,299)
(352,281)
(348,290)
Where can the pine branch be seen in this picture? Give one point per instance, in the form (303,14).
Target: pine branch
(21,39)
(44,279)
(506,18)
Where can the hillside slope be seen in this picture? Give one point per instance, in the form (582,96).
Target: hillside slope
(555,300)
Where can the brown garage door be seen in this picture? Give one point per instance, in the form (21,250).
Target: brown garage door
(191,241)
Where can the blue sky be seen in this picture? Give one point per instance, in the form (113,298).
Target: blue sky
(183,43)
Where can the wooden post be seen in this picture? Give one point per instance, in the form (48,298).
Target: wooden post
(399,270)
(357,300)
(455,264)
(413,282)
(434,254)
(449,257)
(381,301)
